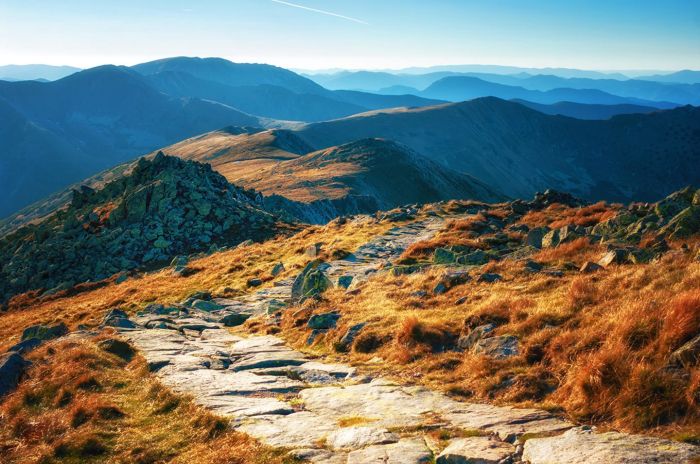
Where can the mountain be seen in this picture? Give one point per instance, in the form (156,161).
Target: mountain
(263,90)
(520,151)
(459,88)
(390,173)
(89,121)
(685,76)
(33,72)
(583,111)
(163,208)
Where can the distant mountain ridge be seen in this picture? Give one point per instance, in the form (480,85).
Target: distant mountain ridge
(33,72)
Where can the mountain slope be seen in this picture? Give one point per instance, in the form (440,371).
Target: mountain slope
(391,174)
(97,118)
(520,151)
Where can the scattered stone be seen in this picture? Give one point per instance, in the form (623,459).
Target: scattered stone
(688,354)
(534,237)
(117,318)
(490,277)
(419,294)
(475,258)
(254,282)
(349,337)
(481,450)
(589,267)
(533,266)
(615,256)
(26,345)
(313,251)
(44,332)
(201,295)
(503,346)
(12,367)
(234,319)
(121,277)
(208,306)
(450,280)
(118,348)
(323,321)
(583,446)
(551,239)
(311,281)
(277,269)
(461,300)
(466,342)
(443,256)
(275,306)
(345,281)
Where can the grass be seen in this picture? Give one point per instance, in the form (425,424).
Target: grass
(595,347)
(224,274)
(80,404)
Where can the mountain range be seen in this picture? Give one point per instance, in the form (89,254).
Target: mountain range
(61,132)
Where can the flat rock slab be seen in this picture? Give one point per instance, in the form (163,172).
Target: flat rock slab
(476,450)
(265,359)
(406,451)
(583,446)
(358,437)
(302,429)
(506,422)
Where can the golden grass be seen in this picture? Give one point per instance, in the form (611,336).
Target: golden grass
(558,215)
(224,273)
(80,404)
(596,346)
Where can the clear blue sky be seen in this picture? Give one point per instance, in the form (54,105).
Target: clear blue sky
(592,34)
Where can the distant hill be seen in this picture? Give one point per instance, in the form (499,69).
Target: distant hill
(520,151)
(460,88)
(582,111)
(65,130)
(34,72)
(685,76)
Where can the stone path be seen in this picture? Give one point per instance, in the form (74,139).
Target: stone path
(328,413)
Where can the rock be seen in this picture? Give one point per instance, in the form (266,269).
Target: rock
(589,267)
(254,282)
(533,266)
(466,342)
(419,294)
(475,450)
(443,256)
(353,438)
(582,446)
(26,345)
(684,224)
(118,348)
(503,346)
(450,280)
(406,451)
(121,278)
(311,281)
(551,239)
(475,258)
(345,281)
(245,243)
(313,251)
(201,295)
(234,319)
(688,354)
(43,332)
(613,257)
(323,321)
(534,237)
(12,367)
(349,337)
(277,269)
(208,306)
(117,318)
(489,277)
(275,306)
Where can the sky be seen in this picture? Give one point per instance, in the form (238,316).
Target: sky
(357,34)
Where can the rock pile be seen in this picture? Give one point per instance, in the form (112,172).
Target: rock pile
(165,208)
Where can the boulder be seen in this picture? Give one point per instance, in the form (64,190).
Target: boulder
(450,280)
(551,239)
(12,367)
(684,224)
(311,281)
(581,445)
(466,342)
(534,237)
(117,318)
(615,256)
(532,266)
(234,319)
(349,337)
(277,269)
(323,321)
(475,258)
(443,256)
(489,277)
(589,267)
(275,306)
(688,354)
(118,348)
(26,345)
(476,450)
(313,251)
(206,305)
(254,282)
(44,332)
(503,346)
(345,281)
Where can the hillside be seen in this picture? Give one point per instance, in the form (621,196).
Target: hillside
(520,151)
(89,121)
(582,111)
(164,207)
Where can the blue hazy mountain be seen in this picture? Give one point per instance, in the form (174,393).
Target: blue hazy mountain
(685,76)
(55,133)
(460,88)
(583,111)
(34,72)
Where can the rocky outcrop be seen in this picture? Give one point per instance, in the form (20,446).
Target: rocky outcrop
(164,208)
